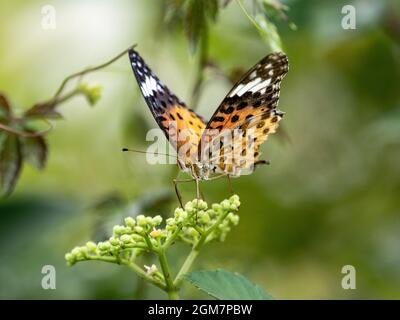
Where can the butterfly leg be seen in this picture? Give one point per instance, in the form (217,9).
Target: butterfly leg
(230,187)
(178,195)
(176,182)
(198,196)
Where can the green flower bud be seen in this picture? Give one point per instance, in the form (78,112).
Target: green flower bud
(202,205)
(230,215)
(91,246)
(69,257)
(104,246)
(189,206)
(178,212)
(130,222)
(76,251)
(126,238)
(127,230)
(92,92)
(117,230)
(141,220)
(234,219)
(234,198)
(157,220)
(216,207)
(149,220)
(191,232)
(235,202)
(181,218)
(137,237)
(226,205)
(114,241)
(184,215)
(138,229)
(170,228)
(203,217)
(170,221)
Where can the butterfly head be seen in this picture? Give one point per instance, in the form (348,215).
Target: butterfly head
(198,170)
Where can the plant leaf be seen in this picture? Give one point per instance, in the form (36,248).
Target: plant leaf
(10,163)
(45,109)
(3,137)
(225,285)
(211,9)
(5,109)
(35,151)
(194,23)
(268,32)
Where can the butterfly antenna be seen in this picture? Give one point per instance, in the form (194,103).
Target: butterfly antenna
(146,152)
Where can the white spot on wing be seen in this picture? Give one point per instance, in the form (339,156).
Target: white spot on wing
(149,85)
(248,87)
(252,86)
(261,85)
(236,90)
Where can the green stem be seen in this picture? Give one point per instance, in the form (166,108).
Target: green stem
(142,274)
(148,242)
(173,295)
(90,69)
(172,238)
(170,288)
(25,134)
(186,266)
(252,20)
(131,265)
(196,250)
(55,100)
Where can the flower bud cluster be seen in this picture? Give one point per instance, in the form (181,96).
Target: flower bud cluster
(188,224)
(133,234)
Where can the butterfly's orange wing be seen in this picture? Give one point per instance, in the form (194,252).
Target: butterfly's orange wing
(181,125)
(251,104)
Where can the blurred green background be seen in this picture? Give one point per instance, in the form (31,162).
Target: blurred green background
(330,198)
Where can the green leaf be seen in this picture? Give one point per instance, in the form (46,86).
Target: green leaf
(211,9)
(45,109)
(5,109)
(266,28)
(195,23)
(35,151)
(3,137)
(225,285)
(268,32)
(10,164)
(274,8)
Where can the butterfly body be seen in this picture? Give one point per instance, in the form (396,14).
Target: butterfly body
(229,143)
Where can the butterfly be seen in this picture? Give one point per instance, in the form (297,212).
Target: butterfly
(229,143)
